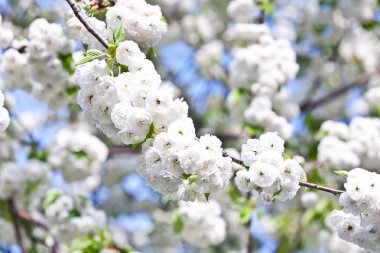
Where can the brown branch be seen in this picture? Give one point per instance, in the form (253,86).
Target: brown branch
(16,224)
(321,188)
(305,184)
(309,105)
(87,25)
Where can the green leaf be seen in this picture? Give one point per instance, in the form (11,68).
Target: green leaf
(74,213)
(286,156)
(163,19)
(342,173)
(89,56)
(313,123)
(245,214)
(51,196)
(118,35)
(276,194)
(150,134)
(320,135)
(177,222)
(303,176)
(235,197)
(207,195)
(151,54)
(85,46)
(71,91)
(30,187)
(237,94)
(268,6)
(112,50)
(67,62)
(81,244)
(40,156)
(123,68)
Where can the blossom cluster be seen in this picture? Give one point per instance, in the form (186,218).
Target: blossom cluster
(34,63)
(261,64)
(22,180)
(202,223)
(142,23)
(4,114)
(70,217)
(358,222)
(269,176)
(136,107)
(77,154)
(348,146)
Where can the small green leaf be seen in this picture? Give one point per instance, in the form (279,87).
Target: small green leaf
(303,176)
(151,54)
(51,196)
(112,49)
(118,35)
(89,56)
(80,244)
(71,91)
(177,222)
(276,194)
(85,46)
(66,61)
(163,19)
(342,173)
(286,156)
(74,213)
(245,214)
(207,195)
(150,134)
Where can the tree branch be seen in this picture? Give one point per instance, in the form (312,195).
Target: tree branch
(305,184)
(77,12)
(309,105)
(16,224)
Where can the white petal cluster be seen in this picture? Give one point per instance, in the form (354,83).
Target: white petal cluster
(142,22)
(17,179)
(261,68)
(346,147)
(267,61)
(4,114)
(209,58)
(269,176)
(241,10)
(359,221)
(260,113)
(201,28)
(203,224)
(6,35)
(72,217)
(177,165)
(38,68)
(77,154)
(76,30)
(134,104)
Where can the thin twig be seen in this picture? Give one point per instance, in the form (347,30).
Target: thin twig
(305,184)
(16,224)
(77,12)
(321,188)
(309,105)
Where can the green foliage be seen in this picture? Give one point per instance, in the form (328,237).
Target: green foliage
(163,19)
(151,54)
(51,196)
(40,156)
(342,173)
(67,62)
(150,134)
(268,6)
(89,56)
(177,222)
(245,214)
(118,35)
